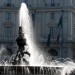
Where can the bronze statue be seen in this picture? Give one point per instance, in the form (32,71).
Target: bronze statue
(21,42)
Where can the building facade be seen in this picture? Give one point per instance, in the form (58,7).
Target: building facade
(46,15)
(9,22)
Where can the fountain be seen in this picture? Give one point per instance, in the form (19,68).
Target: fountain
(21,42)
(31,60)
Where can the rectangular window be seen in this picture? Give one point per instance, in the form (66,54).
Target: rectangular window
(52,32)
(8,16)
(47,3)
(52,2)
(26,1)
(39,3)
(52,16)
(39,24)
(33,18)
(7,32)
(8,2)
(64,53)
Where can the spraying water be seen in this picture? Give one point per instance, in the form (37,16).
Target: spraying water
(37,59)
(26,24)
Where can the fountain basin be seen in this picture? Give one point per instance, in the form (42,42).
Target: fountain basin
(30,70)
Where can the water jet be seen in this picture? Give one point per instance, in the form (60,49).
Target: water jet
(37,63)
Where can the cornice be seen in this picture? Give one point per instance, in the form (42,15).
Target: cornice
(56,9)
(8,24)
(9,8)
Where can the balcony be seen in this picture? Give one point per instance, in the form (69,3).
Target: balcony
(49,6)
(8,6)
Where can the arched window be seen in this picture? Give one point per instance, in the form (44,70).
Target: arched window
(53,52)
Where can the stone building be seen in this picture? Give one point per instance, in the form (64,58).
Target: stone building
(9,10)
(45,15)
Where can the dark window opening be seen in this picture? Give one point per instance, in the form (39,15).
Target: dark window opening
(8,16)
(52,2)
(8,2)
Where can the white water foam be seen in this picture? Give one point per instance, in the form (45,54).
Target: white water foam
(36,59)
(26,23)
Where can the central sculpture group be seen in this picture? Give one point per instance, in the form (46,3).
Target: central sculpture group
(21,42)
